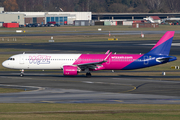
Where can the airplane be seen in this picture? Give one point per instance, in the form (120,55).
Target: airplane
(72,64)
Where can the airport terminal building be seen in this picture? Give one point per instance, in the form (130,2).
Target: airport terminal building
(6,17)
(83,18)
(61,18)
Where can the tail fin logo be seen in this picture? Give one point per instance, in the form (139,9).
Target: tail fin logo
(163,46)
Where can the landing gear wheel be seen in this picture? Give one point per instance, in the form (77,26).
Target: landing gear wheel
(21,75)
(88,74)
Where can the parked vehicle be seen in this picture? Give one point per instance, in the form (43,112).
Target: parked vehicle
(49,24)
(52,24)
(28,25)
(21,26)
(56,25)
(42,25)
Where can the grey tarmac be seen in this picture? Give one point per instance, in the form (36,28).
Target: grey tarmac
(50,88)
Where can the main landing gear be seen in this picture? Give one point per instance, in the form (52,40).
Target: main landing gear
(88,74)
(22,73)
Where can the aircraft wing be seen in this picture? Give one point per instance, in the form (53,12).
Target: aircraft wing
(93,65)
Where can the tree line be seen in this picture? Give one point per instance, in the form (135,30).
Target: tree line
(95,6)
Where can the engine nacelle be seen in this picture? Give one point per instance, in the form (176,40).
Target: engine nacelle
(70,70)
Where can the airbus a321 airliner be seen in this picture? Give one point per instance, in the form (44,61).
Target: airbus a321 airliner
(72,64)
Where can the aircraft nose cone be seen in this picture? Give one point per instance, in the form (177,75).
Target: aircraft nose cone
(5,64)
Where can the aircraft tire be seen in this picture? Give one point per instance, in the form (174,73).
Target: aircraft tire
(88,74)
(21,75)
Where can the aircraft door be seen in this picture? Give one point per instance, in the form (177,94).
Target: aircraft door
(146,61)
(21,59)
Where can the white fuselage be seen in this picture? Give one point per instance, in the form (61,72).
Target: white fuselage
(40,61)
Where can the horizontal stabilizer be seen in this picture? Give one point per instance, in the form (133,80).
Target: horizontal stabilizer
(167,59)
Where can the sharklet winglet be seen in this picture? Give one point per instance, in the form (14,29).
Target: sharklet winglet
(107,56)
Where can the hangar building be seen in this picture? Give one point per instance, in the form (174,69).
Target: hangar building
(10,17)
(60,18)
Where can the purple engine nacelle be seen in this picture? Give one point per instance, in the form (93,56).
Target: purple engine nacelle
(70,70)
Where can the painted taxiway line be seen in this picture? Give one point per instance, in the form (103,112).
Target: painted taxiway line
(19,86)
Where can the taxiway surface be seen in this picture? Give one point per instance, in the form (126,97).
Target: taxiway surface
(51,88)
(72,33)
(130,47)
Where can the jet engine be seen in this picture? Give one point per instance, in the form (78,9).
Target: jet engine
(70,70)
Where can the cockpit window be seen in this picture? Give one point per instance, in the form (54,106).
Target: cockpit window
(11,59)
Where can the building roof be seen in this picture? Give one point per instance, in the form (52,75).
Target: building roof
(155,17)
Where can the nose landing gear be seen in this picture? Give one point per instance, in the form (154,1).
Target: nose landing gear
(22,73)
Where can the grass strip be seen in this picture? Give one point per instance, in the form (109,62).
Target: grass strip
(97,111)
(9,90)
(26,40)
(44,107)
(89,111)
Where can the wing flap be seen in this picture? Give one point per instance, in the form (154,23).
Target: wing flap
(92,63)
